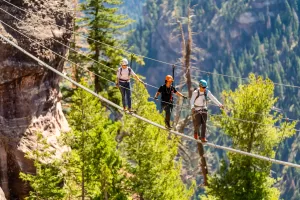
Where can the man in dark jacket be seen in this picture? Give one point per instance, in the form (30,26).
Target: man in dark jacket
(167,91)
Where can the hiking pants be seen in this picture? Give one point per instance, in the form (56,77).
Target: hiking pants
(167,108)
(200,119)
(126,93)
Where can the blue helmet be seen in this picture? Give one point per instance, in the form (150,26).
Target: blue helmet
(202,83)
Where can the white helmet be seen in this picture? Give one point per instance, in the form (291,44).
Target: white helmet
(124,61)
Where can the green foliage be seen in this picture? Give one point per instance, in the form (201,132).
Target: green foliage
(94,159)
(72,68)
(151,153)
(106,39)
(245,177)
(92,166)
(266,42)
(47,181)
(231,9)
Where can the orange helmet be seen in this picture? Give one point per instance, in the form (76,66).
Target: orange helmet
(169,78)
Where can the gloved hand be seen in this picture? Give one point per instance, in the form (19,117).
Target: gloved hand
(156,98)
(193,110)
(193,113)
(143,83)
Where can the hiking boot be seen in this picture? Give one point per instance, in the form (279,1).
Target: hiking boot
(196,136)
(168,126)
(124,108)
(130,110)
(203,139)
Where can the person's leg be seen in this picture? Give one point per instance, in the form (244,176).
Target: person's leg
(168,115)
(196,122)
(128,95)
(203,124)
(164,108)
(122,90)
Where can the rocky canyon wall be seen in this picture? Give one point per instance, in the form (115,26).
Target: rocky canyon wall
(29,94)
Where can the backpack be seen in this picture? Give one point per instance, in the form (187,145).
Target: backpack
(129,71)
(198,95)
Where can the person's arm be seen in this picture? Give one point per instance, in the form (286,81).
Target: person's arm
(156,95)
(214,99)
(135,76)
(158,92)
(193,100)
(180,95)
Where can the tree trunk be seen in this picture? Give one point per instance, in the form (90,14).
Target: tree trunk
(83,147)
(188,56)
(186,69)
(96,79)
(96,57)
(179,100)
(203,164)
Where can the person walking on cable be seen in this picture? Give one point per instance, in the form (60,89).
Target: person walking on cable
(199,108)
(123,83)
(167,91)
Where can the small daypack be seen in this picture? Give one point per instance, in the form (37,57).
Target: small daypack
(198,95)
(129,71)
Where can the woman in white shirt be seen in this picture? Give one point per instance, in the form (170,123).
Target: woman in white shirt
(123,83)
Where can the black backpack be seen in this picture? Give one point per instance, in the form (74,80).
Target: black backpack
(129,71)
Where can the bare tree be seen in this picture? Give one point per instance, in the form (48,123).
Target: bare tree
(186,53)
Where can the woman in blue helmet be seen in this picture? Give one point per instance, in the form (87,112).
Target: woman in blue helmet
(199,108)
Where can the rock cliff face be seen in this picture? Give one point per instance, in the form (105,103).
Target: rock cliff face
(29,94)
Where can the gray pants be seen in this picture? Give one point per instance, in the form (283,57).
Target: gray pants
(200,119)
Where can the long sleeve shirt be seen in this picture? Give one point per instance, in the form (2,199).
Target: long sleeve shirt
(200,102)
(124,75)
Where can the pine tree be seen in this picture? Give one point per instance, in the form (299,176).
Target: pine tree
(231,68)
(72,68)
(245,177)
(288,14)
(47,182)
(105,25)
(266,46)
(295,23)
(255,44)
(273,47)
(94,163)
(91,168)
(294,4)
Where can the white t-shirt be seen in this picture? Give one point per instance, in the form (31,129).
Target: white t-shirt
(123,76)
(200,102)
